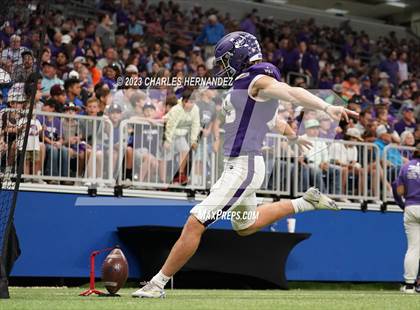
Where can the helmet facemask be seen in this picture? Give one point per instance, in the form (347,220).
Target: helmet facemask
(223,62)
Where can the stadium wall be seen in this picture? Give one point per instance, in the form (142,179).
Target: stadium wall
(58,231)
(239,8)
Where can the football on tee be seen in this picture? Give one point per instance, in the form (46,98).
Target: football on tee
(114,271)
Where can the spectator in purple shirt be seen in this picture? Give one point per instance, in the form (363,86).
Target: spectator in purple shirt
(366,91)
(56,153)
(408,186)
(6,32)
(249,24)
(407,122)
(310,63)
(390,66)
(290,58)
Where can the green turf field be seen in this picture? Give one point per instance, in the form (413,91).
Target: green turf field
(67,298)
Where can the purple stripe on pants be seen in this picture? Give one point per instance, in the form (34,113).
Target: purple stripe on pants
(241,189)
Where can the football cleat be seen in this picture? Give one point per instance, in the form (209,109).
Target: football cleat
(408,289)
(149,290)
(319,200)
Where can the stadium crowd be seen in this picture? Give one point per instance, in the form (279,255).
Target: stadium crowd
(82,60)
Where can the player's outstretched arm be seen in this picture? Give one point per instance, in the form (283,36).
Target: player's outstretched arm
(269,88)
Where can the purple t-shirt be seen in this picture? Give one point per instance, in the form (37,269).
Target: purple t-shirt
(402,126)
(247,121)
(410,177)
(52,128)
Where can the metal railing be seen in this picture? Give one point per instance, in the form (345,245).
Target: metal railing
(69,148)
(393,158)
(83,149)
(155,165)
(321,167)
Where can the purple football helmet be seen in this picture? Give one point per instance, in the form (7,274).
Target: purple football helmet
(234,52)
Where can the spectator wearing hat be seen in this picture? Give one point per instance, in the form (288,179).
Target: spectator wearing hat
(355,103)
(408,121)
(338,89)
(325,126)
(114,114)
(58,94)
(16,100)
(73,140)
(73,90)
(405,92)
(393,157)
(21,73)
(49,78)
(366,90)
(316,160)
(78,62)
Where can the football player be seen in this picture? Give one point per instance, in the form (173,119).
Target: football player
(250,105)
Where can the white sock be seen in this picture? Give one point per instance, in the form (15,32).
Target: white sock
(160,279)
(301,205)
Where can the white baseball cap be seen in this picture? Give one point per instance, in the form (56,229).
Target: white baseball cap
(66,39)
(132,69)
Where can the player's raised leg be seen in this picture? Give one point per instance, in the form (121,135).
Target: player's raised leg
(313,199)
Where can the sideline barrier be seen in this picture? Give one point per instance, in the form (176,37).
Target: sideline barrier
(62,148)
(358,180)
(142,150)
(89,150)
